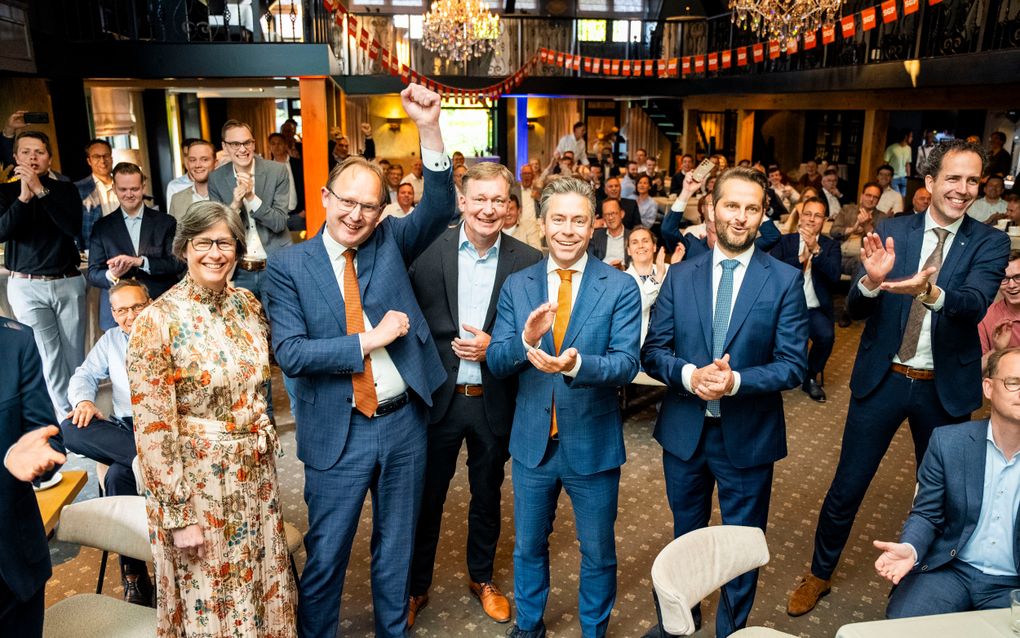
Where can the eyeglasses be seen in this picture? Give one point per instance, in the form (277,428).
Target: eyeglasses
(1015,279)
(204,244)
(249,144)
(1010,383)
(497,204)
(135,309)
(348,205)
(101,157)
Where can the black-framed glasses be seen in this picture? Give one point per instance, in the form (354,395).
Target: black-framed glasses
(1010,383)
(1007,280)
(137,308)
(348,205)
(204,244)
(248,144)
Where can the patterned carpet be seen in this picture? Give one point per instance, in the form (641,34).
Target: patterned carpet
(643,528)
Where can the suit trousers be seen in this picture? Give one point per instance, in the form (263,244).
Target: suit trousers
(823,337)
(744,495)
(954,587)
(21,619)
(594,498)
(486,458)
(871,422)
(55,311)
(113,444)
(385,456)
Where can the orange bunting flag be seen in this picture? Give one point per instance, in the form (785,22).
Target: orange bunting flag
(810,40)
(713,61)
(911,6)
(686,65)
(828,34)
(742,56)
(868,19)
(888,11)
(847,24)
(758,52)
(727,59)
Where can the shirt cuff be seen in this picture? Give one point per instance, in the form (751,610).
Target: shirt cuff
(916,557)
(253,205)
(871,294)
(361,345)
(679,205)
(686,373)
(145,264)
(941,301)
(6,454)
(736,384)
(527,346)
(435,160)
(110,278)
(577,368)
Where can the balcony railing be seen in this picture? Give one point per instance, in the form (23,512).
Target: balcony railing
(948,28)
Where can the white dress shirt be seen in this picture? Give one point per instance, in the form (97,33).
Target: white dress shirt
(255,250)
(576,146)
(388,382)
(615,249)
(738,278)
(553,281)
(107,196)
(923,358)
(891,201)
(809,285)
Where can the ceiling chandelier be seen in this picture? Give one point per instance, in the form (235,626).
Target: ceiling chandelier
(783,19)
(460,30)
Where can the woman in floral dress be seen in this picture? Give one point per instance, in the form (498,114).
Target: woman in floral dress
(198,362)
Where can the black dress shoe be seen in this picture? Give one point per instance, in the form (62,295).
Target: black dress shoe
(844,319)
(137,589)
(517,632)
(814,390)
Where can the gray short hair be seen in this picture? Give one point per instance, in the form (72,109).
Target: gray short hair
(200,217)
(564,186)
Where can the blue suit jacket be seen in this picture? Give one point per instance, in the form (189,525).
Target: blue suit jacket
(24,406)
(950,489)
(155,241)
(825,268)
(767,343)
(969,278)
(309,324)
(605,327)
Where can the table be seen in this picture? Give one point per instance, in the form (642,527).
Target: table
(53,500)
(993,623)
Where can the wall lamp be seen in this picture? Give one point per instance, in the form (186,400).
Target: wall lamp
(394,123)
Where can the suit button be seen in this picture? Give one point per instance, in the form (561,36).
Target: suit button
(924,568)
(547,411)
(952,552)
(348,399)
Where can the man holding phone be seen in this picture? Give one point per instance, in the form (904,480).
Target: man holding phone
(15,122)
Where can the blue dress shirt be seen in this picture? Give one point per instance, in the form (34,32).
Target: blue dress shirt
(475,278)
(106,360)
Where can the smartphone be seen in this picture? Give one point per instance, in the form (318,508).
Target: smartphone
(703,170)
(37,117)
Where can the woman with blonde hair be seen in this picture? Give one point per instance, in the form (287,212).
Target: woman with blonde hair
(198,363)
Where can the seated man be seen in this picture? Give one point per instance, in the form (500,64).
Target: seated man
(957,546)
(110,439)
(853,222)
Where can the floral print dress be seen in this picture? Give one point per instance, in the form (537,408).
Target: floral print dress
(198,362)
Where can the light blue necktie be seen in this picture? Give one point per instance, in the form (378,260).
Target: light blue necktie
(721,318)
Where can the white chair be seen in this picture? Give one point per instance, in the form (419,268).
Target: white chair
(696,564)
(112,524)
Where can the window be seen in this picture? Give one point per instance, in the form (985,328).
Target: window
(593,6)
(466,128)
(591,30)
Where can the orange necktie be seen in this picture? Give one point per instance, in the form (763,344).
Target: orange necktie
(563,301)
(365,399)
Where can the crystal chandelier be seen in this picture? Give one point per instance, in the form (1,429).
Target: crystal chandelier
(460,30)
(783,19)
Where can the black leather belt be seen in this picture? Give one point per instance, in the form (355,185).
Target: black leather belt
(25,275)
(392,405)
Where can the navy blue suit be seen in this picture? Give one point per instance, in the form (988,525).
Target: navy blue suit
(825,273)
(767,344)
(344,455)
(880,398)
(24,557)
(946,510)
(109,238)
(585,459)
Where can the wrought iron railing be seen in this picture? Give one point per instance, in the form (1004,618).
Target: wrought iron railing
(947,28)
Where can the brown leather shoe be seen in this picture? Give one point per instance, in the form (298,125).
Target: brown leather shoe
(809,590)
(494,603)
(415,605)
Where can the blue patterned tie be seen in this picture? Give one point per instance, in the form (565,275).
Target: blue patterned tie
(721,318)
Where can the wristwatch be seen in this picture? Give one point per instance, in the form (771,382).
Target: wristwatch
(43,193)
(925,297)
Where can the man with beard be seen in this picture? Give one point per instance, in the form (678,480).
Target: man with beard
(722,419)
(924,285)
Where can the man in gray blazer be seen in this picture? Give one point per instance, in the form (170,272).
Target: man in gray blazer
(259,191)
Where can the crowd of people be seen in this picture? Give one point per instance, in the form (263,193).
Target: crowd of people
(458,305)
